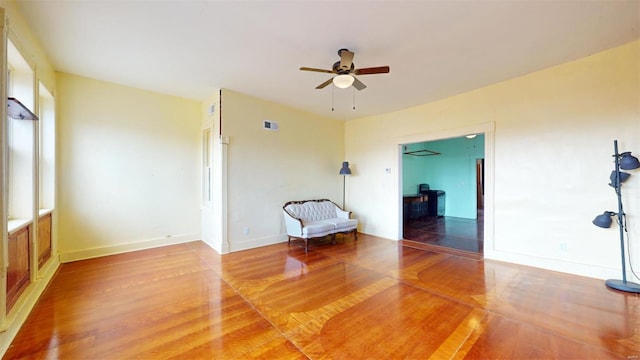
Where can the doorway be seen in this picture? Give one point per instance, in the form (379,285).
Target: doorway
(443,187)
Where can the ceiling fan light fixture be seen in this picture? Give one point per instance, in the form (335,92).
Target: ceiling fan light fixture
(343,81)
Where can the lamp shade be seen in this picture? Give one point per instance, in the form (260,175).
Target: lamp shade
(614,178)
(628,161)
(345,169)
(603,220)
(343,81)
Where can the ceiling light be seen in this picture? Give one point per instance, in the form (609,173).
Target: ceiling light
(471,136)
(343,81)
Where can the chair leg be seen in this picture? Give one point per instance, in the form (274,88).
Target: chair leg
(306,245)
(355,234)
(333,239)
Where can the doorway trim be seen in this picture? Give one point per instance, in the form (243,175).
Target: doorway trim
(488,129)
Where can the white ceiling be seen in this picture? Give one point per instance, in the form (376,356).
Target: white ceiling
(435,48)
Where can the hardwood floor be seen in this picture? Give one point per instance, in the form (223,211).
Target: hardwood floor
(369,298)
(464,235)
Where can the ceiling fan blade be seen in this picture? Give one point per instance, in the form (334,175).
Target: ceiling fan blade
(372,70)
(358,84)
(324,84)
(346,59)
(317,70)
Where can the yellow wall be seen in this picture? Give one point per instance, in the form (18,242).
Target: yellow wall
(268,168)
(128,163)
(554,133)
(128,174)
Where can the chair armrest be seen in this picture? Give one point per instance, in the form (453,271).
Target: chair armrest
(342,214)
(293,224)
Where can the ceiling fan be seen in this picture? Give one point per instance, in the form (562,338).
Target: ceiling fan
(345,69)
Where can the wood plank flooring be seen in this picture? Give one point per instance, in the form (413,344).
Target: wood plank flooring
(464,235)
(363,299)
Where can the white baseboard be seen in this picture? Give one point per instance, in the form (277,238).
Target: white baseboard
(588,270)
(257,242)
(70,256)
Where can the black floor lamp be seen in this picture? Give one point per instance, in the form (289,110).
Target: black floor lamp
(344,171)
(624,161)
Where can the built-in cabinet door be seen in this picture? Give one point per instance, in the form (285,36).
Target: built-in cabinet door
(18,272)
(44,239)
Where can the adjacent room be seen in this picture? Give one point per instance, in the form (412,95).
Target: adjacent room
(490,187)
(443,193)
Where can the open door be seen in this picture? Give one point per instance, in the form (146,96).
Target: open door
(480,183)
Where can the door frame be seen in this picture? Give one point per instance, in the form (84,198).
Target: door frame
(488,129)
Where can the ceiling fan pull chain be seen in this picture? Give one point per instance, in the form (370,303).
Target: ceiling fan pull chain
(354,98)
(332,89)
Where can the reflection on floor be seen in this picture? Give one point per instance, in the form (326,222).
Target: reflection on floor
(358,299)
(446,231)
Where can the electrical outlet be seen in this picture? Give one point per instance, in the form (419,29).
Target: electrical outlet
(246,230)
(563,246)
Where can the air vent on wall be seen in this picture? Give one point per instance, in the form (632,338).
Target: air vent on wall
(270,125)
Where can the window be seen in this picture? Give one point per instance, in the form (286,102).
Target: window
(46,150)
(20,139)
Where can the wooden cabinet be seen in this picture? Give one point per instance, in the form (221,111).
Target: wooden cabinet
(44,239)
(414,207)
(18,271)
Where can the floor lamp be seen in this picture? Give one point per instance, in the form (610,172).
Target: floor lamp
(344,171)
(624,161)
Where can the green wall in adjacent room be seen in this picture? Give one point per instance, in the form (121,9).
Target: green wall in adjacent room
(453,171)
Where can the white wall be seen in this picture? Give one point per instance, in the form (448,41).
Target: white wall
(554,133)
(129,174)
(213,207)
(266,168)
